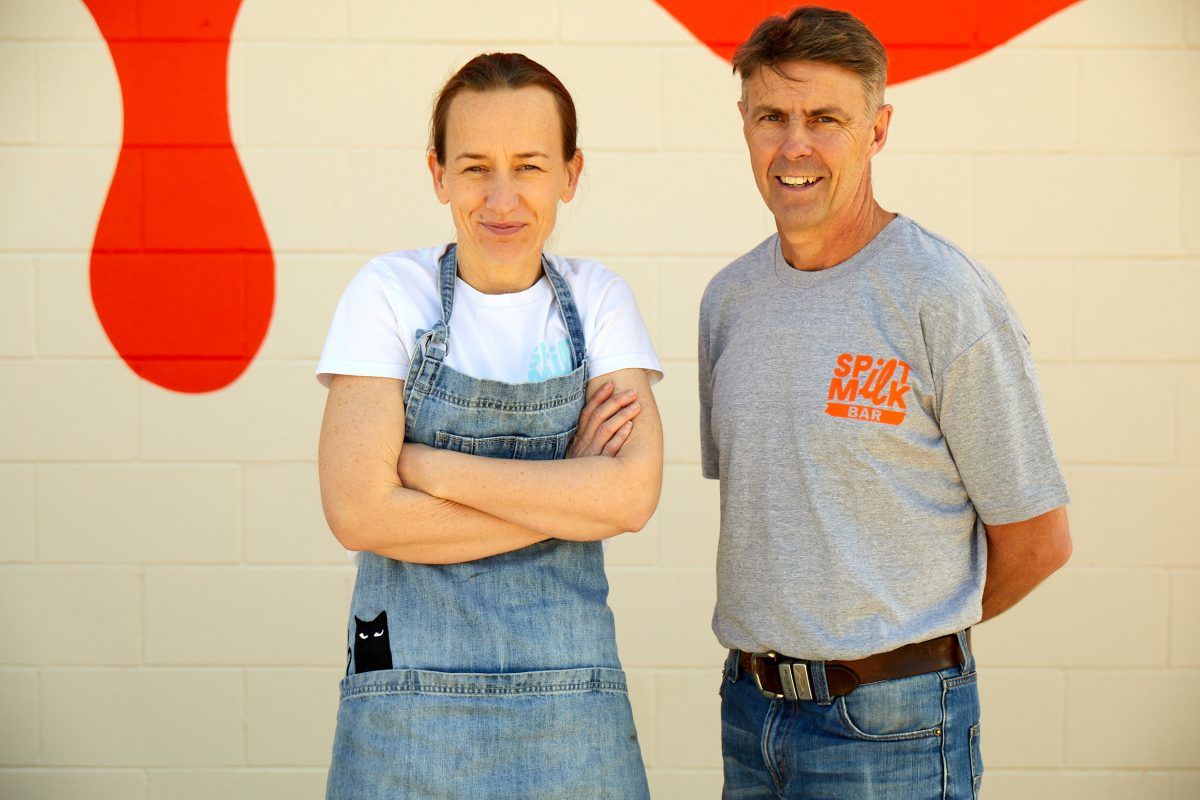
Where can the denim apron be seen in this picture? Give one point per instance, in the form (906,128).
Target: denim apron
(499,677)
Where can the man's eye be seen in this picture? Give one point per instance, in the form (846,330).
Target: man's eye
(826,120)
(771,117)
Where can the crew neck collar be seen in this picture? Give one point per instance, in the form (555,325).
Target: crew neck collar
(806,278)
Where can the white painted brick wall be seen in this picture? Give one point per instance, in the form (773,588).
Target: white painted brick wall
(1025,717)
(163,557)
(79,99)
(1080,402)
(18,93)
(1157,531)
(17,489)
(142,717)
(16,306)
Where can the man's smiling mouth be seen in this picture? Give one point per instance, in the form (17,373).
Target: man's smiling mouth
(788,180)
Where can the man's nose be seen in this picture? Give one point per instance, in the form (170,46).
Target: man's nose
(797,142)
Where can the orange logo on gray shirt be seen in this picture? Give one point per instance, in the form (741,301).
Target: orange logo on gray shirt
(869,388)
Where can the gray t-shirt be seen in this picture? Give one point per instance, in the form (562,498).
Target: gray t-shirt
(864,421)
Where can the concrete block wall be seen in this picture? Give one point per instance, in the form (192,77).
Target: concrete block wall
(171,603)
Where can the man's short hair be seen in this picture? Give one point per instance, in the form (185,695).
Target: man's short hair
(811,33)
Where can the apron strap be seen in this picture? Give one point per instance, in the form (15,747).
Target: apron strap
(435,341)
(569,312)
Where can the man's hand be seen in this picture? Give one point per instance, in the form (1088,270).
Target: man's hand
(604,423)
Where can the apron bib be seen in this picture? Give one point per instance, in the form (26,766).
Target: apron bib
(499,677)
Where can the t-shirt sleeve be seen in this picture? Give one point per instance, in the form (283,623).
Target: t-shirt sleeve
(992,416)
(710,463)
(619,339)
(365,337)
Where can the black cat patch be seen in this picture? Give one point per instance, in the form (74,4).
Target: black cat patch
(372,650)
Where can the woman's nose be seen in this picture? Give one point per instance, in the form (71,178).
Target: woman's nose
(502,193)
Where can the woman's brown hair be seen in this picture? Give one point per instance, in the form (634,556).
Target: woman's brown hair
(489,72)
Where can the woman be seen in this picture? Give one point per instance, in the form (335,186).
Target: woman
(482,660)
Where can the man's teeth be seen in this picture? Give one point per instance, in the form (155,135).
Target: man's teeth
(789,181)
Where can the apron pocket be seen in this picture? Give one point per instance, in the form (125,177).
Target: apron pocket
(535,448)
(513,736)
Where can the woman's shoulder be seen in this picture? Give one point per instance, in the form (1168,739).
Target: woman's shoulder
(575,265)
(404,265)
(586,274)
(397,278)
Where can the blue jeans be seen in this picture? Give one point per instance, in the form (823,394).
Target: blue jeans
(911,738)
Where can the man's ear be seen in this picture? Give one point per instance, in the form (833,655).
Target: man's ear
(879,128)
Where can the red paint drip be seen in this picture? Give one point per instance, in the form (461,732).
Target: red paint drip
(182,274)
(921,37)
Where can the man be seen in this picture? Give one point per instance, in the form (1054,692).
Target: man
(869,404)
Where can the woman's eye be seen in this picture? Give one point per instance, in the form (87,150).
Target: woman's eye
(530,168)
(476,169)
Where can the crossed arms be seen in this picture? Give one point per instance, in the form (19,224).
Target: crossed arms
(413,503)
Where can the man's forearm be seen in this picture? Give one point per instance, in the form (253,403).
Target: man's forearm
(1021,555)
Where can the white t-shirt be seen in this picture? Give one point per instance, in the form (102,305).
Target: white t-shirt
(516,338)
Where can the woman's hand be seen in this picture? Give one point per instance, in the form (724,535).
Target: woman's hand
(604,423)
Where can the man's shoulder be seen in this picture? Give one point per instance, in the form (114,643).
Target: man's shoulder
(957,299)
(745,270)
(942,267)
(933,252)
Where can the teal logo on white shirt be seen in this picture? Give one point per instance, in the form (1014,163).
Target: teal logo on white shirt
(549,360)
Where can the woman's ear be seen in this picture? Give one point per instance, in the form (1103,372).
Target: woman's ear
(574,170)
(438,172)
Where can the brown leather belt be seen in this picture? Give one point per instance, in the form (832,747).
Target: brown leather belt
(780,677)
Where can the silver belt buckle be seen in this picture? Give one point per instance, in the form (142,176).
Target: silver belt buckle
(754,658)
(793,678)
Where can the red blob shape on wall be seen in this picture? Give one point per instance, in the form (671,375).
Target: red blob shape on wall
(921,37)
(182,275)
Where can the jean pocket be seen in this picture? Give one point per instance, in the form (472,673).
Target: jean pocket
(904,708)
(535,448)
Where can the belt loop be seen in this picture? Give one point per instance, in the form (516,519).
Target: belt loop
(964,644)
(732,668)
(820,685)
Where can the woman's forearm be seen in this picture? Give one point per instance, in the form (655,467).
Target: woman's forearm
(583,498)
(408,525)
